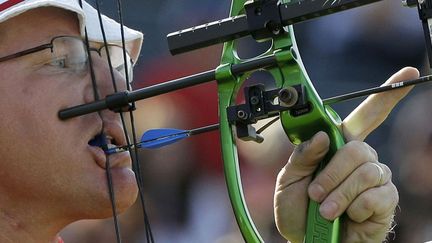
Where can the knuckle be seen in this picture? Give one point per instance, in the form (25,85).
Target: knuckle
(361,151)
(366,173)
(328,180)
(368,202)
(354,215)
(343,198)
(352,147)
(387,171)
(351,151)
(342,202)
(372,151)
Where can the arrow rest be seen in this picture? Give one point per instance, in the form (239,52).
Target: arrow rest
(261,104)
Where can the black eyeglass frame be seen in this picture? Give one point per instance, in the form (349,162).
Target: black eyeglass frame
(30,51)
(51,46)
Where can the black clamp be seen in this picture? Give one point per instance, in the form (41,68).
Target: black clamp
(264,19)
(119,102)
(261,104)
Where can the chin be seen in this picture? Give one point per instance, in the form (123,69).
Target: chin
(125,192)
(125,188)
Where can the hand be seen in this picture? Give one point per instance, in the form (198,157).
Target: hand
(353,182)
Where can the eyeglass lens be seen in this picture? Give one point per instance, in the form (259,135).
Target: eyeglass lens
(74,52)
(117,60)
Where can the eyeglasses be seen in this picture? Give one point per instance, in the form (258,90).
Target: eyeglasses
(71,52)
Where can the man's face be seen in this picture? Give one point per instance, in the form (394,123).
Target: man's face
(44,160)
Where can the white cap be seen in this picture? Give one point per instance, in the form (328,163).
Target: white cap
(87,16)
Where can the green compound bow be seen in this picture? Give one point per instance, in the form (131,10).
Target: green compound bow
(301,110)
(302,115)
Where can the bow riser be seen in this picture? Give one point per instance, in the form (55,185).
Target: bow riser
(304,127)
(299,126)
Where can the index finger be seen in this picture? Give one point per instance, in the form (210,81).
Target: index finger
(375,109)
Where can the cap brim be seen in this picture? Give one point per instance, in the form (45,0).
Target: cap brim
(112,30)
(88,18)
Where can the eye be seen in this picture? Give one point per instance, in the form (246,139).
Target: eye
(77,65)
(58,62)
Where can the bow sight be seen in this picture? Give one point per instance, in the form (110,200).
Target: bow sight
(302,112)
(263,19)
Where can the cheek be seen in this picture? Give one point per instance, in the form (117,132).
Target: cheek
(35,144)
(30,119)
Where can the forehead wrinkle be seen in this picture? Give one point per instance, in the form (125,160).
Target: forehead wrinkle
(36,27)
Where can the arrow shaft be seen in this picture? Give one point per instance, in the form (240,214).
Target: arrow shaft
(204,129)
(376,90)
(191,132)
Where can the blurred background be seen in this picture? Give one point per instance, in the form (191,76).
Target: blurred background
(184,187)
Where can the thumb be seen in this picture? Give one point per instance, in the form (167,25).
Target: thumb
(375,109)
(305,158)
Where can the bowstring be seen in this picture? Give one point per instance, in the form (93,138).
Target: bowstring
(135,161)
(97,97)
(135,158)
(108,169)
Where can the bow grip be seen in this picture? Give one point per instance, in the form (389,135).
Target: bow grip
(318,229)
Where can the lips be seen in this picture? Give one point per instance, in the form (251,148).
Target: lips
(112,136)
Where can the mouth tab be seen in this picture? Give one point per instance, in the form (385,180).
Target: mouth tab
(98,141)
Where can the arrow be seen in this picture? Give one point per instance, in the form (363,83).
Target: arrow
(156,138)
(376,90)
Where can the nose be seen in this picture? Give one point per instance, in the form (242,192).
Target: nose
(106,80)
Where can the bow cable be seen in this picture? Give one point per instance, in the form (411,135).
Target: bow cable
(108,169)
(102,136)
(135,158)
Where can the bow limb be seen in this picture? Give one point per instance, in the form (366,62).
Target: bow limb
(228,86)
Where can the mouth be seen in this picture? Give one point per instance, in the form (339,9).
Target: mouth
(103,142)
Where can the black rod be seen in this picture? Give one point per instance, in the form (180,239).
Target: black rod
(200,130)
(166,87)
(140,94)
(376,90)
(173,85)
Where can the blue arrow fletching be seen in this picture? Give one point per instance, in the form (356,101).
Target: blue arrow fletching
(157,138)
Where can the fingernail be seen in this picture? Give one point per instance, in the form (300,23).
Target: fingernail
(316,192)
(328,210)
